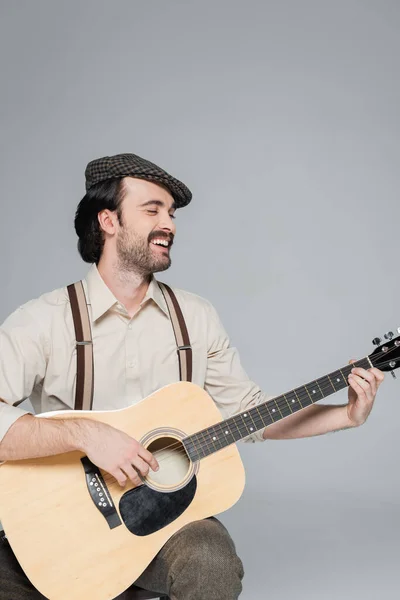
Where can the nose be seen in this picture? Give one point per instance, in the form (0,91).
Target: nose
(166,223)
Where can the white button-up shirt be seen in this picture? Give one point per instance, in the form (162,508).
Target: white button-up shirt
(133,357)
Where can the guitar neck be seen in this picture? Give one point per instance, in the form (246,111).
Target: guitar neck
(227,432)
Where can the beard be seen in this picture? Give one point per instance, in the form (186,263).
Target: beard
(135,253)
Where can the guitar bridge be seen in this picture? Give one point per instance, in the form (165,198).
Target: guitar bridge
(99,493)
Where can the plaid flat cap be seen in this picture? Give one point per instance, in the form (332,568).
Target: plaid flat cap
(131,165)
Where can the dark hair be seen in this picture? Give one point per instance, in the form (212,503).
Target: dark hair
(105,194)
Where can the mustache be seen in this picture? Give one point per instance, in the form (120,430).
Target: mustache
(162,236)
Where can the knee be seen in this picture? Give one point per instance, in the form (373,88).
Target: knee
(208,557)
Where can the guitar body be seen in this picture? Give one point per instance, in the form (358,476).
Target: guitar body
(78,534)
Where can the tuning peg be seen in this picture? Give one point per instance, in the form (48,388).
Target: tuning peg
(393,374)
(388,335)
(398,330)
(376,341)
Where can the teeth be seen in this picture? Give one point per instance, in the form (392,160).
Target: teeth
(160,242)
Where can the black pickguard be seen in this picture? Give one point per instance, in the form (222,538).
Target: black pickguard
(145,511)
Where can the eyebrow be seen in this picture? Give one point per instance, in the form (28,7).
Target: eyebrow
(157,203)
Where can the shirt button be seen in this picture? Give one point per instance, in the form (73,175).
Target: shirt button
(131,364)
(130,326)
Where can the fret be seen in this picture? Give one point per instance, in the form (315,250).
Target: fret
(314,391)
(308,394)
(208,448)
(278,407)
(330,381)
(275,409)
(292,399)
(257,421)
(191,449)
(339,379)
(245,420)
(284,407)
(235,421)
(208,437)
(287,402)
(364,363)
(322,393)
(298,399)
(252,427)
(260,417)
(242,426)
(269,412)
(216,436)
(227,436)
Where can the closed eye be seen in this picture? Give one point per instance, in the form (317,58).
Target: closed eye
(154,212)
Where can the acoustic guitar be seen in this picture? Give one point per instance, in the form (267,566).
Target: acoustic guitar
(78,535)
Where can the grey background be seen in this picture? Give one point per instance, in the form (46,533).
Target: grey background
(283,119)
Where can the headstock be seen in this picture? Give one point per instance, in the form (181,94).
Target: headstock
(386,357)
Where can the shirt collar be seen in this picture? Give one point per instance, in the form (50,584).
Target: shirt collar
(102,299)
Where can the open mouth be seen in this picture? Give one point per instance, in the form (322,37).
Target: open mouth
(161,245)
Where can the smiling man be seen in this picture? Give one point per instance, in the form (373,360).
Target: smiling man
(125,225)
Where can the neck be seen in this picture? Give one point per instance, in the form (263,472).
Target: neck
(220,435)
(129,287)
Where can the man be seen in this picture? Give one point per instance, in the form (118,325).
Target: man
(125,225)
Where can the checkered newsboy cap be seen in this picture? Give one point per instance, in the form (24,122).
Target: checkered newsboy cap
(131,165)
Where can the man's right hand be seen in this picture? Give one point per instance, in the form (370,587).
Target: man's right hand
(107,447)
(116,452)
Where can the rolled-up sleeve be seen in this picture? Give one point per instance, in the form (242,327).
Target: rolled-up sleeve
(22,364)
(226,381)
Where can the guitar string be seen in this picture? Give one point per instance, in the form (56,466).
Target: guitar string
(242,428)
(284,402)
(280,402)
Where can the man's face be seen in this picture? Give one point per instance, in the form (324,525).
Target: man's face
(147,218)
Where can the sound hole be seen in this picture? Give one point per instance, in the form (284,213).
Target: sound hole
(172,459)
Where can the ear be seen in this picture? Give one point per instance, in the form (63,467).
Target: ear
(108,221)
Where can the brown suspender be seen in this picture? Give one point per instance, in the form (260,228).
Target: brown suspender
(84,343)
(184,348)
(84,347)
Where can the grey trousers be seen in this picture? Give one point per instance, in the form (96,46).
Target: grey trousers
(199,562)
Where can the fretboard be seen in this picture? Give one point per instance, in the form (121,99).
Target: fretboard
(214,438)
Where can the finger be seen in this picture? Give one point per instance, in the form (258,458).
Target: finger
(378,375)
(356,387)
(148,457)
(367,376)
(352,360)
(132,474)
(363,386)
(120,477)
(140,465)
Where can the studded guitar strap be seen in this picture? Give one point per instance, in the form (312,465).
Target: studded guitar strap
(84,342)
